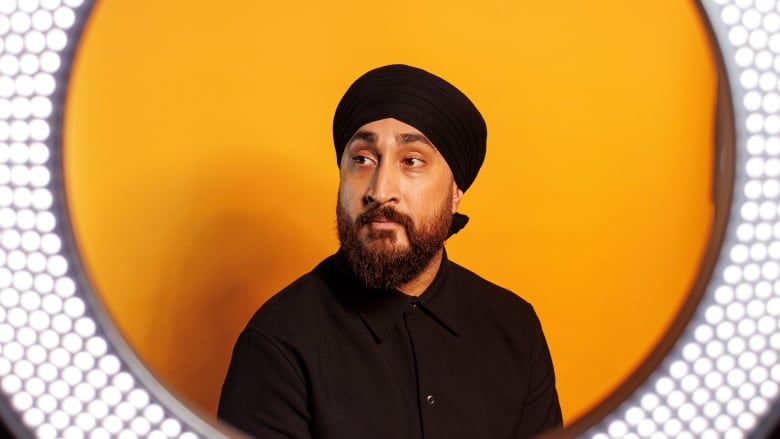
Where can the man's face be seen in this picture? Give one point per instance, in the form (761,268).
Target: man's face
(396,200)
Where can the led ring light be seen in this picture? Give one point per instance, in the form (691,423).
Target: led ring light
(66,373)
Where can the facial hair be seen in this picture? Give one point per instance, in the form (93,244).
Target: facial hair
(380,263)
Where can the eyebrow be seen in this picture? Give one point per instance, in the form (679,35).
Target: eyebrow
(365,136)
(403,138)
(414,137)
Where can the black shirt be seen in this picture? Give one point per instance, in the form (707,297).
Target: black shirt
(327,358)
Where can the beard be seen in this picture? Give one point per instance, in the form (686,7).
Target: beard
(380,262)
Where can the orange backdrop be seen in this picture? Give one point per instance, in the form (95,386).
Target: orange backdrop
(201,177)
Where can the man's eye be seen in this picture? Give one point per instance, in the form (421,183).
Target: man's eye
(413,162)
(361,160)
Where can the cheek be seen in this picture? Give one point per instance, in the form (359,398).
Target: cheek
(424,197)
(346,196)
(421,205)
(353,187)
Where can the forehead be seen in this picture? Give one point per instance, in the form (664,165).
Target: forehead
(389,123)
(402,131)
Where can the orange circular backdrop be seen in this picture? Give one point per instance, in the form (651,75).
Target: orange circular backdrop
(201,176)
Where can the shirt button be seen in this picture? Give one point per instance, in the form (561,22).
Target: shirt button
(413,305)
(431,400)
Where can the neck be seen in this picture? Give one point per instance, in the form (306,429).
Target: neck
(417,286)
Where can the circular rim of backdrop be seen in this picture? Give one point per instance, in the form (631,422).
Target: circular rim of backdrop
(65,371)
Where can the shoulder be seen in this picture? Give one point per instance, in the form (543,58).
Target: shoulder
(482,294)
(483,289)
(301,301)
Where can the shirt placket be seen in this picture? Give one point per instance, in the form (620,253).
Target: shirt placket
(427,399)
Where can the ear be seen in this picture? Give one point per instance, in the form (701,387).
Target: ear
(457,194)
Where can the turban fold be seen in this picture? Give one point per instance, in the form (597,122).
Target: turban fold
(423,100)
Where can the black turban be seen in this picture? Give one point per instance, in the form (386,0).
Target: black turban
(423,100)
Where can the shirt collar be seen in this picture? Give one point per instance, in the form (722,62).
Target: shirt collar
(380,310)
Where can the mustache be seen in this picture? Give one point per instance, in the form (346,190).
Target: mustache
(383,212)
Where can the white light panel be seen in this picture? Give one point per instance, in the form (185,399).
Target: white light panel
(60,375)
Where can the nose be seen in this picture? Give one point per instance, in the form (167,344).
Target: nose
(384,185)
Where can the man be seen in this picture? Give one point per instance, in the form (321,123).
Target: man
(388,338)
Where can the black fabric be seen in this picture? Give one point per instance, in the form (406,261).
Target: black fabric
(423,100)
(459,221)
(326,359)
